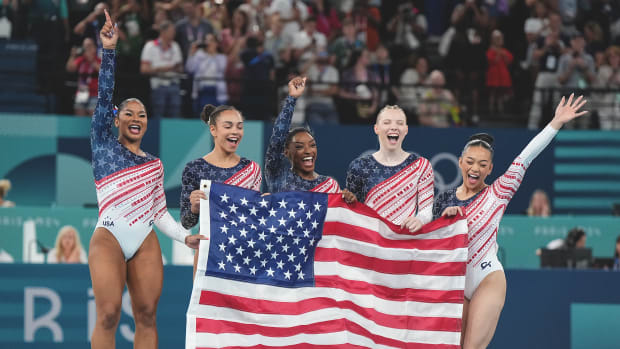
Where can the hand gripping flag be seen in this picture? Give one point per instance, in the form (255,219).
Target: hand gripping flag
(307,270)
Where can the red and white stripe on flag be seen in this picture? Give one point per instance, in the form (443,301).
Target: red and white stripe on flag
(375,287)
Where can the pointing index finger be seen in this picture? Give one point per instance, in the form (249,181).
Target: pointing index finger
(107,16)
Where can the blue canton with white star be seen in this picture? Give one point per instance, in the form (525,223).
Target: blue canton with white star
(279,175)
(267,239)
(108,155)
(365,173)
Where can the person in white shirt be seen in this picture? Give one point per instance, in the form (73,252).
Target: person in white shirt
(323,77)
(68,248)
(308,42)
(163,61)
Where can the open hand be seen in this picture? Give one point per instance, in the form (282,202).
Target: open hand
(567,111)
(109,33)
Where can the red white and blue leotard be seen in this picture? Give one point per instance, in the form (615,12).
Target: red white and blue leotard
(395,192)
(130,190)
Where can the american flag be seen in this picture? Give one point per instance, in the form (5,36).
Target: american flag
(306,270)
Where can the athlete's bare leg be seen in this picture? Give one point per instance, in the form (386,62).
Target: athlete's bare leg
(145,274)
(483,311)
(108,272)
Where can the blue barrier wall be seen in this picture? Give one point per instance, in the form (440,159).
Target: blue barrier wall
(51,306)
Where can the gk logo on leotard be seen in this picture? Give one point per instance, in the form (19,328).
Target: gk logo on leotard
(151,223)
(107,222)
(485,264)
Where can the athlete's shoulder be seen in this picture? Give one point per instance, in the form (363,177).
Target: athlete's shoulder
(361,161)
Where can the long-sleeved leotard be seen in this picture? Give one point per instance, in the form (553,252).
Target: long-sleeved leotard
(278,172)
(395,192)
(130,190)
(246,174)
(485,210)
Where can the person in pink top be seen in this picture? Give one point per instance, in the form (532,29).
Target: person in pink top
(484,206)
(499,82)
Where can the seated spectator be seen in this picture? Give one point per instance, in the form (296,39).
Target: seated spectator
(161,59)
(539,204)
(410,95)
(233,38)
(86,65)
(323,86)
(279,44)
(193,27)
(576,238)
(359,92)
(5,186)
(68,248)
(208,67)
(327,21)
(499,81)
(382,67)
(438,107)
(292,13)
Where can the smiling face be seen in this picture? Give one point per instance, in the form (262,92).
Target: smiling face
(227,131)
(391,128)
(476,165)
(131,122)
(302,151)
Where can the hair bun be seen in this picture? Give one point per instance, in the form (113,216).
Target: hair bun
(206,112)
(482,137)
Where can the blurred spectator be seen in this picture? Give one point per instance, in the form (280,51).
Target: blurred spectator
(323,87)
(308,42)
(292,13)
(90,25)
(467,55)
(499,81)
(359,93)
(532,29)
(258,76)
(216,13)
(595,40)
(344,46)
(233,38)
(576,72)
(438,107)
(408,27)
(5,186)
(192,27)
(327,21)
(161,58)
(68,248)
(381,66)
(49,26)
(85,62)
(279,44)
(545,58)
(131,18)
(409,94)
(576,238)
(159,17)
(617,254)
(539,204)
(608,101)
(8,13)
(208,67)
(367,19)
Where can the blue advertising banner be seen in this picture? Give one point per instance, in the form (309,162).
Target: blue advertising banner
(52,306)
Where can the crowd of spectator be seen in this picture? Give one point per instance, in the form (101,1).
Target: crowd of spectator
(439,60)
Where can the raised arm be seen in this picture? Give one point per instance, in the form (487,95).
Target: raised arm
(275,151)
(506,185)
(101,125)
